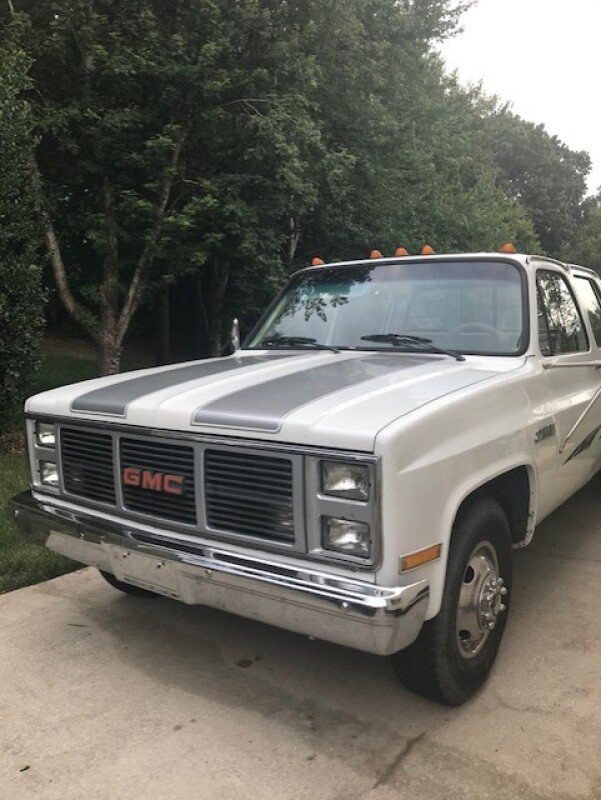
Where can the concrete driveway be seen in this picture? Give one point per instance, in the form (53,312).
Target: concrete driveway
(107,696)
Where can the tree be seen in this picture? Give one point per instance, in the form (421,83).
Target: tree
(406,161)
(165,127)
(21,294)
(230,141)
(541,174)
(585,248)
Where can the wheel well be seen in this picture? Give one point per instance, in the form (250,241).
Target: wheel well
(511,490)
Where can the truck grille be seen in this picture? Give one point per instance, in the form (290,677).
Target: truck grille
(249,494)
(207,488)
(154,461)
(87,462)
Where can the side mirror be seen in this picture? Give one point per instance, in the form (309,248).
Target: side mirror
(235,335)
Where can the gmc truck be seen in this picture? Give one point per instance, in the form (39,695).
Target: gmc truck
(359,470)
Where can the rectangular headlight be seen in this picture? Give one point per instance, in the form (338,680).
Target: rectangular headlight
(48,473)
(346,536)
(45,434)
(340,479)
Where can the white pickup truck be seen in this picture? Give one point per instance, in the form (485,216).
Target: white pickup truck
(359,471)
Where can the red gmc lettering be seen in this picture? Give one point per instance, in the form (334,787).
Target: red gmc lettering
(154,481)
(131,476)
(173,484)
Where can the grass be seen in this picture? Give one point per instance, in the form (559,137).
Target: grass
(21,564)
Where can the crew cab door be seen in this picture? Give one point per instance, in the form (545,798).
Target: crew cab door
(573,380)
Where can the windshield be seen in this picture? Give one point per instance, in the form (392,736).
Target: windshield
(465,306)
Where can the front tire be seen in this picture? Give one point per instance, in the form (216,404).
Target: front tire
(128,588)
(454,652)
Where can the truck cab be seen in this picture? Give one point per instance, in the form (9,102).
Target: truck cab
(359,470)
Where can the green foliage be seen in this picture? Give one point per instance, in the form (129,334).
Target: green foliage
(21,295)
(585,247)
(541,173)
(234,140)
(22,563)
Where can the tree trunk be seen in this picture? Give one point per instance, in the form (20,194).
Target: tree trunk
(204,317)
(220,273)
(109,355)
(163,325)
(293,238)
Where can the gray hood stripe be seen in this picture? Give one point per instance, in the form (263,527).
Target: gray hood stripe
(114,399)
(263,407)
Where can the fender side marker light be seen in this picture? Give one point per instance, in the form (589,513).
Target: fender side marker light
(421,557)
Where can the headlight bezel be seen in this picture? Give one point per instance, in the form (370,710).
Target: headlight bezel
(38,453)
(320,506)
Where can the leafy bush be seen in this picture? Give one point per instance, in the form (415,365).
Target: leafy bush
(21,293)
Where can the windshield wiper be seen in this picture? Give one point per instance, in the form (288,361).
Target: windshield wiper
(294,341)
(418,343)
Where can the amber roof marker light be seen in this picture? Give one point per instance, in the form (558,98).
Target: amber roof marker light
(401,252)
(508,247)
(375,254)
(428,251)
(317,262)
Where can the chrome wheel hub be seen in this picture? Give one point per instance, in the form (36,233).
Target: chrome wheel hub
(480,600)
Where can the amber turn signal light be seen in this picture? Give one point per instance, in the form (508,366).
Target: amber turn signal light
(427,250)
(508,247)
(375,254)
(421,557)
(400,251)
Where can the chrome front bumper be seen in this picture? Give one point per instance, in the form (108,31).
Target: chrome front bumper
(309,601)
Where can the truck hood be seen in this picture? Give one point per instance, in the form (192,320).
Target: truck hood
(325,399)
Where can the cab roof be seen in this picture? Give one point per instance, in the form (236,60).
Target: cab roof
(524,259)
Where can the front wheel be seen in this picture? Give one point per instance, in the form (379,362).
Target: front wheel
(455,651)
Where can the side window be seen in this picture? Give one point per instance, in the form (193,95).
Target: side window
(564,328)
(589,300)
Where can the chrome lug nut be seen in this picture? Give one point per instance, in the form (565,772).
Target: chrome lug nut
(503,591)
(502,608)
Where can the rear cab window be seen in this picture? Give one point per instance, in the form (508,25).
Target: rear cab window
(587,291)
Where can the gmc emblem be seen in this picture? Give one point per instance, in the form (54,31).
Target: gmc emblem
(155,481)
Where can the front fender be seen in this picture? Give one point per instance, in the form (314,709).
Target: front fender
(433,462)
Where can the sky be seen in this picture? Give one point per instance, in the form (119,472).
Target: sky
(544,57)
